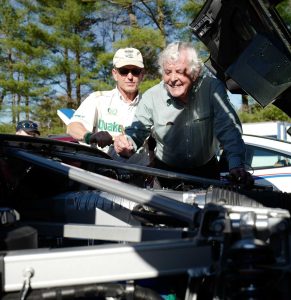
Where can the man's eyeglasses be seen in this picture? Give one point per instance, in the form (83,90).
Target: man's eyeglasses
(125,71)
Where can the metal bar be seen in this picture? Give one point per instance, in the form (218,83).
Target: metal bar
(181,211)
(97,264)
(107,233)
(140,169)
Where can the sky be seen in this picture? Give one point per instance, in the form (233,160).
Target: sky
(235,99)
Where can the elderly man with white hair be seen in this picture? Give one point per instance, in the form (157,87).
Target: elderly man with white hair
(190,115)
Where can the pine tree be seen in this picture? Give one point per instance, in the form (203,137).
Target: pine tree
(65,28)
(22,80)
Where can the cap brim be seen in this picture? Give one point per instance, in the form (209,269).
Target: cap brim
(31,130)
(124,63)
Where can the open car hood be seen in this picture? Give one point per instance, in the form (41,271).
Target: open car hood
(249,47)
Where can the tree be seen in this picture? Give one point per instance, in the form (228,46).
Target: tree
(64,49)
(65,28)
(22,68)
(130,17)
(257,113)
(45,113)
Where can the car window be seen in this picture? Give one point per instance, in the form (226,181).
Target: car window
(260,158)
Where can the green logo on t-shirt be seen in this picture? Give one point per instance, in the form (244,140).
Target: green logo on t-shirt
(112,111)
(113,127)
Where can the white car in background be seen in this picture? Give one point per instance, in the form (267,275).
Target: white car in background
(269,161)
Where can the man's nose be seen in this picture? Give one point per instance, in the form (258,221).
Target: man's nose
(129,75)
(173,76)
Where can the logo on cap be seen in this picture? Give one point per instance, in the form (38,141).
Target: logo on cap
(128,56)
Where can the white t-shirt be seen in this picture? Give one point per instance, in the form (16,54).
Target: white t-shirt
(107,111)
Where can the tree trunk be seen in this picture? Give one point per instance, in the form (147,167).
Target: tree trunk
(78,75)
(245,103)
(68,80)
(2,96)
(161,16)
(27,116)
(132,16)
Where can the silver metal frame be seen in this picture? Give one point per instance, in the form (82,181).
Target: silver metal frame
(104,263)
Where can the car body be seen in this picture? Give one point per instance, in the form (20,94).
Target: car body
(63,137)
(221,242)
(269,161)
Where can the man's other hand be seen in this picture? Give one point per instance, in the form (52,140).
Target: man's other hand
(241,176)
(123,146)
(101,138)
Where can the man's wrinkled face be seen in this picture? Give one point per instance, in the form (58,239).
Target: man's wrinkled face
(177,77)
(128,78)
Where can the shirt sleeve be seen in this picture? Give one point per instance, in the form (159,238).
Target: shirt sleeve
(227,127)
(140,129)
(87,112)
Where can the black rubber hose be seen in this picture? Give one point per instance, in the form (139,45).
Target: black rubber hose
(102,291)
(250,198)
(274,199)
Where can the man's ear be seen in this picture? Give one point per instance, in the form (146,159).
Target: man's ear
(196,74)
(142,74)
(114,74)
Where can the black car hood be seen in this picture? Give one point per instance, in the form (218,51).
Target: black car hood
(249,47)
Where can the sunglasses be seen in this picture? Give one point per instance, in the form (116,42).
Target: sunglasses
(125,71)
(27,125)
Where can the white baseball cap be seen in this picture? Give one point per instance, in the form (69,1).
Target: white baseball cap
(128,56)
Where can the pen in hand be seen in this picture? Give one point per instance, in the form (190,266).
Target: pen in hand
(122,132)
(122,145)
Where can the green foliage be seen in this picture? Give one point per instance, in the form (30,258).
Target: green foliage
(284,9)
(191,8)
(56,129)
(149,42)
(146,84)
(46,111)
(259,114)
(44,130)
(99,85)
(54,53)
(7,128)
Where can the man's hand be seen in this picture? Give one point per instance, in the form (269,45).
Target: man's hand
(122,146)
(241,176)
(101,138)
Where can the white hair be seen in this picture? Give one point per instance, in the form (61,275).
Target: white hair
(172,53)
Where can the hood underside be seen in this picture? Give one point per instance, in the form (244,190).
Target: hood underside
(249,46)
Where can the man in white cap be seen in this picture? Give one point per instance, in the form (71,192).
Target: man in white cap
(104,114)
